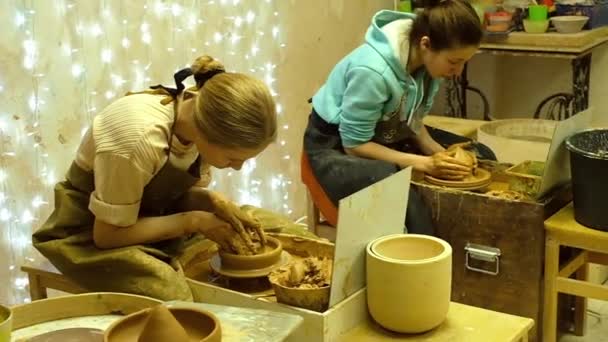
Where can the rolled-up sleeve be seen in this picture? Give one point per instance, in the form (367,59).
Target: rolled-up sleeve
(119,186)
(364,97)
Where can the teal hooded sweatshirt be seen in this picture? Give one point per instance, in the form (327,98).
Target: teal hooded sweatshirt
(368,84)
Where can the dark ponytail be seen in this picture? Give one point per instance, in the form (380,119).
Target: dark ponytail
(448,23)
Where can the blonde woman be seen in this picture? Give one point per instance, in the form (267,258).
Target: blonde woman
(135,190)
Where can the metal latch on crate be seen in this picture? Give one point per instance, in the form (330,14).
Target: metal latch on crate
(482,253)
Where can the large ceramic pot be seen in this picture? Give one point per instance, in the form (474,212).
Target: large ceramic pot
(6,320)
(409,280)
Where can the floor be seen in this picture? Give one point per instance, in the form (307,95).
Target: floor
(597,321)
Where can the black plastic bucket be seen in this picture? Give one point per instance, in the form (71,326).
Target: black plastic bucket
(589,168)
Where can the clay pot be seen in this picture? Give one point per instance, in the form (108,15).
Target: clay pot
(161,324)
(315,299)
(465,156)
(409,279)
(6,321)
(269,257)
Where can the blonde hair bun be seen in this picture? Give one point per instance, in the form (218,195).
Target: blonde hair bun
(204,67)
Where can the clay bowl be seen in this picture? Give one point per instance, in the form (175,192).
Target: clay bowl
(6,320)
(409,281)
(269,257)
(200,325)
(315,299)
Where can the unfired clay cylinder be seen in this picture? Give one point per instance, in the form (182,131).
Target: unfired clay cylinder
(409,279)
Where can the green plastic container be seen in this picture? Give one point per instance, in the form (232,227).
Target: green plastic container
(537,12)
(405,6)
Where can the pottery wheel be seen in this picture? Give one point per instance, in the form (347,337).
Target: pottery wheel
(216,265)
(479,181)
(70,335)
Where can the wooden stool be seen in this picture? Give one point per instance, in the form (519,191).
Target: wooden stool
(317,201)
(41,280)
(563,230)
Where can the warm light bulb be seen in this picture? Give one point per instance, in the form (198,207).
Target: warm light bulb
(106,55)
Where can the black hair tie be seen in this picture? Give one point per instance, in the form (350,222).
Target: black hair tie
(179,78)
(181,75)
(206,76)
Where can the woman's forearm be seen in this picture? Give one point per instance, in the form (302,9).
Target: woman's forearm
(372,150)
(145,230)
(427,144)
(199,198)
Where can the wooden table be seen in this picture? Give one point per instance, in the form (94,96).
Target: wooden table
(464,323)
(576,47)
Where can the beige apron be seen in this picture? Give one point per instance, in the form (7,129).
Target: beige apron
(66,238)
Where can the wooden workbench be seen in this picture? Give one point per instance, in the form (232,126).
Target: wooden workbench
(464,323)
(576,47)
(463,127)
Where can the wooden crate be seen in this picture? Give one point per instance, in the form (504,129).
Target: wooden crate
(513,227)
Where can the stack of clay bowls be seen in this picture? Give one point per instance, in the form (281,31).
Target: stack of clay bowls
(409,280)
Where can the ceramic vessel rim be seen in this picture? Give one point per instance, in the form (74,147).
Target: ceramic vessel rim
(447,249)
(134,315)
(298,289)
(569,18)
(275,241)
(10,314)
(270,279)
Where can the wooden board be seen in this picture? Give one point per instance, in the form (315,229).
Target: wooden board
(464,127)
(557,165)
(375,211)
(572,43)
(89,304)
(463,324)
(514,227)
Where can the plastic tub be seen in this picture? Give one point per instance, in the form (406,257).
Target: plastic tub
(536,26)
(589,167)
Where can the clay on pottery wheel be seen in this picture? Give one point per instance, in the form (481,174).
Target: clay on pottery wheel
(408,281)
(270,256)
(162,324)
(478,178)
(468,158)
(303,283)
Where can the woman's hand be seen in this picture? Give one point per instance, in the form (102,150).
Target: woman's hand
(240,221)
(220,232)
(443,165)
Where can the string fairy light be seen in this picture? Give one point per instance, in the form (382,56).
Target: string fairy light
(94,59)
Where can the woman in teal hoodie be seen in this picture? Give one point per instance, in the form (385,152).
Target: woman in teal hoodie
(366,122)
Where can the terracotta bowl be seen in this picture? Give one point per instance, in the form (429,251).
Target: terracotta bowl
(409,281)
(270,257)
(311,299)
(201,326)
(6,320)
